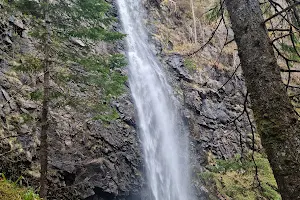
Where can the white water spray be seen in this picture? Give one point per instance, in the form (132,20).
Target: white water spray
(163,139)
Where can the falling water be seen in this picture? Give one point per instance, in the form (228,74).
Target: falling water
(164,140)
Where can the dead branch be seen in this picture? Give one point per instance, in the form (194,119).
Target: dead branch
(282,11)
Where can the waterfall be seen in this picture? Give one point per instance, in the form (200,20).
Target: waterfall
(164,141)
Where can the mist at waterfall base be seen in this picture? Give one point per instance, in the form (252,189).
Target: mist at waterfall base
(164,139)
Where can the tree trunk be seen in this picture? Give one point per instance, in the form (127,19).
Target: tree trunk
(194,20)
(45,109)
(274,114)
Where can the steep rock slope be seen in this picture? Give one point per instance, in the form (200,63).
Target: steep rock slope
(209,106)
(87,159)
(93,160)
(212,99)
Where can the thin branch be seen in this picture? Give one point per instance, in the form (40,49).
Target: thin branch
(283,56)
(211,37)
(230,77)
(278,29)
(245,106)
(226,38)
(274,4)
(283,36)
(293,42)
(290,70)
(230,41)
(241,140)
(282,11)
(292,86)
(256,177)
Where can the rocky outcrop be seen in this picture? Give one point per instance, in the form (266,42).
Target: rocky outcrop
(208,104)
(210,109)
(210,112)
(88,159)
(211,97)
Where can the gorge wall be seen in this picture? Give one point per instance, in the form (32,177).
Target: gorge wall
(98,161)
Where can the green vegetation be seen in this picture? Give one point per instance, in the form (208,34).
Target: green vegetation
(83,77)
(70,63)
(12,191)
(214,12)
(235,178)
(292,49)
(190,64)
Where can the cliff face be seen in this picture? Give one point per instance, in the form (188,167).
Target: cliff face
(208,84)
(93,160)
(209,105)
(87,159)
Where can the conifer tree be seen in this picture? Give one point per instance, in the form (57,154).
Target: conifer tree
(66,32)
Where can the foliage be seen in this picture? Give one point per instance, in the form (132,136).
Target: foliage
(292,50)
(12,191)
(83,19)
(30,64)
(265,7)
(234,178)
(190,64)
(81,77)
(215,12)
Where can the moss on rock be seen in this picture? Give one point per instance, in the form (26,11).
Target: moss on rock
(236,179)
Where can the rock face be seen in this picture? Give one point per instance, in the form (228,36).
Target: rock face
(209,111)
(96,158)
(87,159)
(96,161)
(211,97)
(210,108)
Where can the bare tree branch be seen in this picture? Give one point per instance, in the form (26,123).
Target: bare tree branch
(282,11)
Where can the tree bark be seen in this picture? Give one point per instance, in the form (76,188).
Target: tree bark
(45,109)
(274,114)
(194,21)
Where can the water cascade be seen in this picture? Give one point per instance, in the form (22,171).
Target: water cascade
(164,140)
